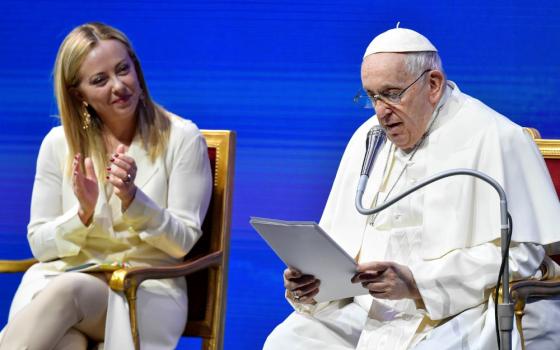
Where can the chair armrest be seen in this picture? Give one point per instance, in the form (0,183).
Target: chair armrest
(127,281)
(522,290)
(123,279)
(10,266)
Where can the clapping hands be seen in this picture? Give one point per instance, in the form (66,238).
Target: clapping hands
(120,173)
(86,189)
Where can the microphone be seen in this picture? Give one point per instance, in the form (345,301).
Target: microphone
(375,140)
(504,310)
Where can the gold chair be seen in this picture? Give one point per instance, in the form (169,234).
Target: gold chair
(205,267)
(521,291)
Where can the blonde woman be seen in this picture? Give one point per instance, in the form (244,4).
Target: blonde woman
(121,182)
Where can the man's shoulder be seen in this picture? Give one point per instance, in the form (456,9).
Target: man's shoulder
(480,119)
(469,123)
(479,111)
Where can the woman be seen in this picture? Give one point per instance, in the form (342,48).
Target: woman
(122,182)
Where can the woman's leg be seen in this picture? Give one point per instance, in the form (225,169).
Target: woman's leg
(161,319)
(72,340)
(72,299)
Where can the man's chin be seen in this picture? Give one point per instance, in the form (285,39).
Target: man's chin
(399,142)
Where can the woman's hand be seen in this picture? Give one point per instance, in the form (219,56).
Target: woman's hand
(122,173)
(84,184)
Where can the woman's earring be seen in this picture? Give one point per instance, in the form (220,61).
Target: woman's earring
(86,117)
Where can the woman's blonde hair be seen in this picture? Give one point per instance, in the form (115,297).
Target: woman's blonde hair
(153,125)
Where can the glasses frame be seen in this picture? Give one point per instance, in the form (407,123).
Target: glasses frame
(391,99)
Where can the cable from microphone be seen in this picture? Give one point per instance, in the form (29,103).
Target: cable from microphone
(375,140)
(504,310)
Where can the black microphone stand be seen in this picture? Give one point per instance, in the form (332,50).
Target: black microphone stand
(505,308)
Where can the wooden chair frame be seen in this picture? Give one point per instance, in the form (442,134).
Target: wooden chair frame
(127,281)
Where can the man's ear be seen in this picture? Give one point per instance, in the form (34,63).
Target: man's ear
(436,81)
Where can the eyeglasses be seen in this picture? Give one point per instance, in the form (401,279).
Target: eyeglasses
(364,99)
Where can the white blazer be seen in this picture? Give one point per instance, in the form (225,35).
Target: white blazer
(160,226)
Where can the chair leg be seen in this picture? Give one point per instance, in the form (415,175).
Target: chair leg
(130,294)
(519,312)
(208,344)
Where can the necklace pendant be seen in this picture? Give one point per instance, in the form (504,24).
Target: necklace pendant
(371,220)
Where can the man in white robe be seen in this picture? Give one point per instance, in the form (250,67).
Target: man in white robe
(429,262)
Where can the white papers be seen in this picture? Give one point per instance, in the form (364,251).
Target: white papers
(305,246)
(97,267)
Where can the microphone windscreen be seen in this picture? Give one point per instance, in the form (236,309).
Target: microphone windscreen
(375,140)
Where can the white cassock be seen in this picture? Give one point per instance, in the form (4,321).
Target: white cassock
(447,234)
(159,227)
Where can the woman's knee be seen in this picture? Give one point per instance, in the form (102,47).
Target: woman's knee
(72,340)
(76,290)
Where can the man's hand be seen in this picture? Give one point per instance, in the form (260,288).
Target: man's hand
(301,288)
(387,280)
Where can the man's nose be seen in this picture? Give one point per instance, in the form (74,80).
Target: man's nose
(382,109)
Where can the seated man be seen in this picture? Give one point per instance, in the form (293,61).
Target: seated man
(431,261)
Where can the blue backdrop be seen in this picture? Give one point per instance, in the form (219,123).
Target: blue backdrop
(280,73)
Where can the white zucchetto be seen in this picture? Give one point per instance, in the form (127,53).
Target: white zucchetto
(399,40)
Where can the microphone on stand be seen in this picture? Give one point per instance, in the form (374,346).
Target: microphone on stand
(375,140)
(504,311)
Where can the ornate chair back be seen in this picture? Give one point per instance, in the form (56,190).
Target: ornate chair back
(525,290)
(207,288)
(550,150)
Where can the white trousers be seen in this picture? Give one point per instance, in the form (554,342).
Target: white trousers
(67,310)
(161,321)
